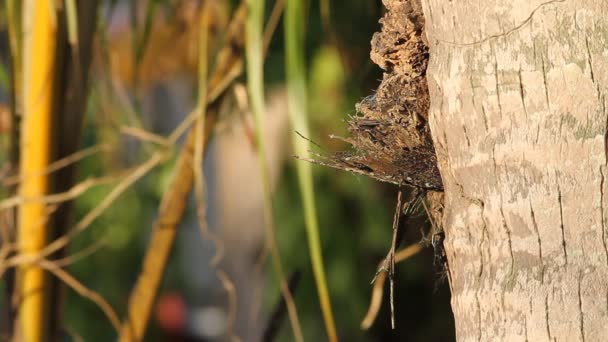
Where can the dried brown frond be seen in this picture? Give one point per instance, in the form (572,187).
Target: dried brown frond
(390,136)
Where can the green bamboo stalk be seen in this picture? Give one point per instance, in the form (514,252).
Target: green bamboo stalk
(296,95)
(254,53)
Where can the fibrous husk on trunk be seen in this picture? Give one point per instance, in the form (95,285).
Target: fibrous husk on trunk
(390,136)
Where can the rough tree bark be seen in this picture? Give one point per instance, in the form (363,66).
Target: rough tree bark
(519,123)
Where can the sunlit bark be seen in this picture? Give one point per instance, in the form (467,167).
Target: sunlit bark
(519,124)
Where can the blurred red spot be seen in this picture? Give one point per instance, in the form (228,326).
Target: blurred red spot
(171,313)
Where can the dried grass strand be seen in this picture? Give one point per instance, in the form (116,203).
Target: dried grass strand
(82,290)
(59,164)
(378,289)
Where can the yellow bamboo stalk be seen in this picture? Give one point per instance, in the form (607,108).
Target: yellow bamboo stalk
(38,78)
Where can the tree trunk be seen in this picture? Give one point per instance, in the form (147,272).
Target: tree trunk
(518,119)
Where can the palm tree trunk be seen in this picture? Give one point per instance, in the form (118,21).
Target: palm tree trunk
(518,118)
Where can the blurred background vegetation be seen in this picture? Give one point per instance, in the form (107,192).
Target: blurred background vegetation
(144,75)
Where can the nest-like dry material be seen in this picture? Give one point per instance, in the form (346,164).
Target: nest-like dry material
(390,135)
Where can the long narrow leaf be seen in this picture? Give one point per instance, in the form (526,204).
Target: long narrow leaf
(254,53)
(296,94)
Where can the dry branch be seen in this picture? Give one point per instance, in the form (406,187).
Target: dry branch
(174,200)
(77,286)
(378,289)
(228,67)
(171,210)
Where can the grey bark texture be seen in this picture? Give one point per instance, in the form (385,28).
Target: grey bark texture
(518,119)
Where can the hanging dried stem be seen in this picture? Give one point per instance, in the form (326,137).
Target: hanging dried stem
(77,286)
(378,289)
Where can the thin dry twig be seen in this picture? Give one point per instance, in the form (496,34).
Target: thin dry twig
(172,207)
(228,67)
(378,289)
(391,273)
(83,291)
(5,251)
(12,247)
(242,102)
(144,135)
(171,210)
(273,21)
(126,183)
(228,286)
(61,163)
(201,110)
(92,215)
(55,198)
(81,254)
(199,180)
